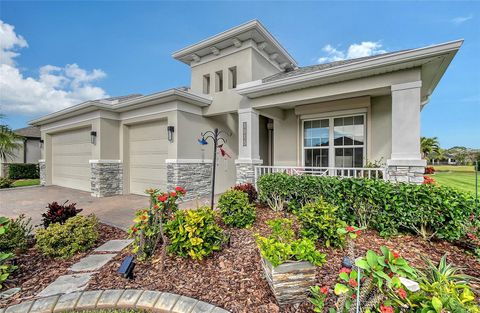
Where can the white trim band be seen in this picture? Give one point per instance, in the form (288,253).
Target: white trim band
(188,161)
(105,161)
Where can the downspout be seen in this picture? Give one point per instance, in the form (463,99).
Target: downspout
(25,150)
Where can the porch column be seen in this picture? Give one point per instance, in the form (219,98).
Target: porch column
(248,145)
(406,164)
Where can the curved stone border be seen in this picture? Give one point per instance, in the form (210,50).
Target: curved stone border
(154,301)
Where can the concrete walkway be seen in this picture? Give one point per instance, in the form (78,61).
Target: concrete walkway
(117,210)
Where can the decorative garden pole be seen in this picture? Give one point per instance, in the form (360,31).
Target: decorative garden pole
(215,135)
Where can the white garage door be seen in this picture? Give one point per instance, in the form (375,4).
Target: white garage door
(148,151)
(71,152)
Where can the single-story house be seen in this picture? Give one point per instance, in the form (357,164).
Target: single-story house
(29,151)
(273,112)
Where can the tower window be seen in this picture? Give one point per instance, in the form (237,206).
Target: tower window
(206,84)
(232,77)
(219,81)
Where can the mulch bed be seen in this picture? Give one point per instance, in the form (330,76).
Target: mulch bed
(233,278)
(36,271)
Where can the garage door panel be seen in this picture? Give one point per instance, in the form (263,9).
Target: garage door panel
(71,152)
(148,150)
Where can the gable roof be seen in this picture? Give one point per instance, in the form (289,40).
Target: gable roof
(119,99)
(29,132)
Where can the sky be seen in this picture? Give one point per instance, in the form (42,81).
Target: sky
(57,54)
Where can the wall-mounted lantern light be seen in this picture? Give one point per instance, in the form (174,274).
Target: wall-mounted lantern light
(93,137)
(170,130)
(40,144)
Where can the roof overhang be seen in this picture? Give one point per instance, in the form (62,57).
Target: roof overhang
(153,99)
(433,61)
(252,30)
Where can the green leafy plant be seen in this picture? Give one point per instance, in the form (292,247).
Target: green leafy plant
(319,220)
(148,225)
(23,171)
(17,235)
(249,189)
(194,233)
(77,234)
(5,182)
(317,297)
(236,210)
(280,246)
(5,267)
(59,213)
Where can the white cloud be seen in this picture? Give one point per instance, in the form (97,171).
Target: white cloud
(366,48)
(54,89)
(461,19)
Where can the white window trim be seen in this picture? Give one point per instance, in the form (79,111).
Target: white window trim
(331,147)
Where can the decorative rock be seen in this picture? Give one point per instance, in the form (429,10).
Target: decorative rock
(114,245)
(92,263)
(184,304)
(89,299)
(109,298)
(290,281)
(66,284)
(347,262)
(166,301)
(148,299)
(44,305)
(106,179)
(67,302)
(20,308)
(129,298)
(10,292)
(410,284)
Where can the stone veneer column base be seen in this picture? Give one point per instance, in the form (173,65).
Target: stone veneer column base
(193,175)
(246,171)
(106,178)
(42,168)
(406,171)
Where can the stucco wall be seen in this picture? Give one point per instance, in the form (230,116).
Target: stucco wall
(285,140)
(381,137)
(33,150)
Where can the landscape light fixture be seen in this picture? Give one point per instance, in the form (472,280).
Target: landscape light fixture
(93,137)
(170,130)
(126,268)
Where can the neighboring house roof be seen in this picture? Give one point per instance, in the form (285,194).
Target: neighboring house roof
(29,132)
(253,30)
(125,103)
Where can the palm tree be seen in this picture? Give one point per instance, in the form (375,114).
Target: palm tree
(8,141)
(429,145)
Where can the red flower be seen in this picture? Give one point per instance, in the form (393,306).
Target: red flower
(324,290)
(402,293)
(395,255)
(358,232)
(173,194)
(386,309)
(352,282)
(354,296)
(350,228)
(156,206)
(390,275)
(345,270)
(162,198)
(386,261)
(134,229)
(180,190)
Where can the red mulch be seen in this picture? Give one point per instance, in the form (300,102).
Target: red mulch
(36,271)
(233,278)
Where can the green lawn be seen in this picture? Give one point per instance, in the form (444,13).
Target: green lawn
(458,177)
(26,182)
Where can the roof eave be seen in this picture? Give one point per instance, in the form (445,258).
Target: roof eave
(258,88)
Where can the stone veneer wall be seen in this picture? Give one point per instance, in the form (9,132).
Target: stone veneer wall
(406,174)
(42,167)
(194,177)
(246,172)
(106,179)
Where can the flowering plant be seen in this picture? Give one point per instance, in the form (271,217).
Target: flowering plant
(427,180)
(147,229)
(318,296)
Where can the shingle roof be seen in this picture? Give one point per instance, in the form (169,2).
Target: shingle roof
(320,67)
(31,131)
(115,100)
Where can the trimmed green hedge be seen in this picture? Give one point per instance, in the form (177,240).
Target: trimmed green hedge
(23,171)
(390,208)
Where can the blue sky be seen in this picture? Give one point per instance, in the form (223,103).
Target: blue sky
(71,51)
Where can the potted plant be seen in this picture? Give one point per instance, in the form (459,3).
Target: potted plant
(289,264)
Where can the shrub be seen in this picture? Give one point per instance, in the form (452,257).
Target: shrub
(397,204)
(5,267)
(429,170)
(5,183)
(319,220)
(59,213)
(17,235)
(249,189)
(147,230)
(235,209)
(23,171)
(77,234)
(194,233)
(280,246)
(427,180)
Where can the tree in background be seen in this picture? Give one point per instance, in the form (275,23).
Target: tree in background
(8,141)
(429,146)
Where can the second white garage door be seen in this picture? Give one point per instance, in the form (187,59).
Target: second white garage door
(71,152)
(148,151)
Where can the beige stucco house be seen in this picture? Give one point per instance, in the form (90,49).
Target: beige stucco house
(327,116)
(28,150)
